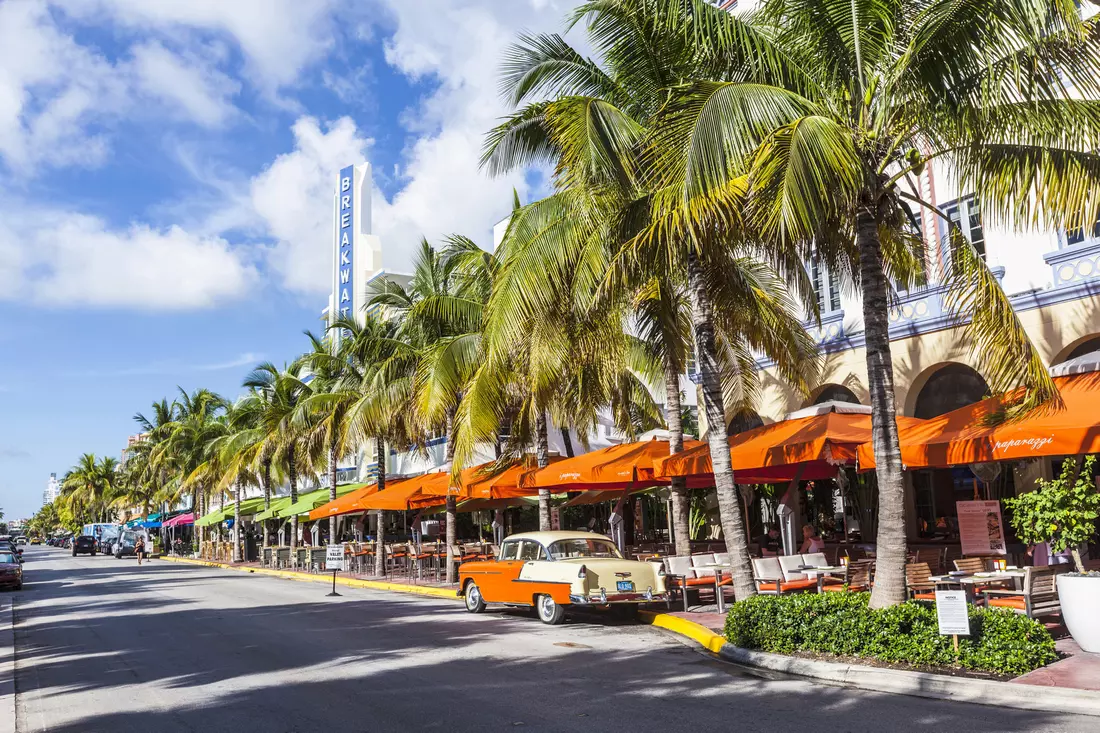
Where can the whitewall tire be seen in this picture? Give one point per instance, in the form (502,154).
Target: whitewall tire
(549,611)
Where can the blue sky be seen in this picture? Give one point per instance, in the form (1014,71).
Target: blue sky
(166,172)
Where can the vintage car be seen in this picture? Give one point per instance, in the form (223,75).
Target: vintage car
(554,570)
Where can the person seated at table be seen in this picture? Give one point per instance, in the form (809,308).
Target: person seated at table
(811,542)
(769,541)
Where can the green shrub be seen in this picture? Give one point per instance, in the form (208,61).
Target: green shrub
(1001,641)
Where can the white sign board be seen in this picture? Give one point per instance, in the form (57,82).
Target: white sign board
(334,557)
(952,613)
(981,531)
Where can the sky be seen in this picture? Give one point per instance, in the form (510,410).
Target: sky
(166,173)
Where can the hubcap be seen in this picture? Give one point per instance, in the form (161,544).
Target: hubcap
(547,606)
(473,596)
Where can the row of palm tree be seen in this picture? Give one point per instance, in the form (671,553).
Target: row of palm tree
(699,149)
(700,159)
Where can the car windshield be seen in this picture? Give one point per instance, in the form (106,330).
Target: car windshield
(7,557)
(583,547)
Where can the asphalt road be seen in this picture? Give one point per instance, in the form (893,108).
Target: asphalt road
(105,645)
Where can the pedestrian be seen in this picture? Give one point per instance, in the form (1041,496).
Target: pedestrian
(139,547)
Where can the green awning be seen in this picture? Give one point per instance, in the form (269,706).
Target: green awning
(308,502)
(248,506)
(273,511)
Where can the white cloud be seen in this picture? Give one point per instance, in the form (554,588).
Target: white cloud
(51,90)
(293,198)
(65,259)
(185,81)
(174,366)
(278,38)
(460,44)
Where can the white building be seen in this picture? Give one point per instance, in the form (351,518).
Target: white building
(53,490)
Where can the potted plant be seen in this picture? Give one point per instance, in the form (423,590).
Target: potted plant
(1063,513)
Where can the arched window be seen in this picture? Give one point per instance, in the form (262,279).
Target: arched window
(951,387)
(1085,347)
(836,393)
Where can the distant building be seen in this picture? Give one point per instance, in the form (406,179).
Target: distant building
(130,443)
(53,490)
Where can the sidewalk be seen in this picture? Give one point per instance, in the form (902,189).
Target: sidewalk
(400,584)
(1077,670)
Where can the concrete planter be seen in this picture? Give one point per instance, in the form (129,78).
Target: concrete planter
(1079,596)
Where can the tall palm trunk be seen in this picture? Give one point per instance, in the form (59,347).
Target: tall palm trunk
(332,489)
(681,531)
(237,522)
(542,454)
(380,460)
(733,526)
(292,477)
(196,509)
(889,588)
(265,478)
(567,441)
(451,504)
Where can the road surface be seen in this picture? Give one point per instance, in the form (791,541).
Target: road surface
(105,645)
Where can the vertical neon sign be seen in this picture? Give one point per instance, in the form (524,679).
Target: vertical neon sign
(346,213)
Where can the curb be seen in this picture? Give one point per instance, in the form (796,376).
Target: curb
(894,681)
(418,590)
(7,667)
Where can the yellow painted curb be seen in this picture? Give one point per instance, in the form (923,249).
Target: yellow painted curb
(418,590)
(709,640)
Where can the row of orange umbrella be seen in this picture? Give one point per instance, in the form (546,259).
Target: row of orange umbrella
(811,447)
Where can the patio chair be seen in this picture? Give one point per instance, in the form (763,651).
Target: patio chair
(697,561)
(857,578)
(930,556)
(817,559)
(855,554)
(681,577)
(972,565)
(791,566)
(769,577)
(1038,598)
(918,583)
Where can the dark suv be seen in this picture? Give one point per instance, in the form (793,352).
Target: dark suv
(84,544)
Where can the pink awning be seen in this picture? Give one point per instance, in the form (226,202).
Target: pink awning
(180,520)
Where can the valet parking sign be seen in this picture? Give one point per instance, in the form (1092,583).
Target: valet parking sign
(346,212)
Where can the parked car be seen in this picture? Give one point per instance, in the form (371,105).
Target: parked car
(36,540)
(20,540)
(555,570)
(11,572)
(9,546)
(84,545)
(126,541)
(106,545)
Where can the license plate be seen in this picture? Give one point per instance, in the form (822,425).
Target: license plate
(625,585)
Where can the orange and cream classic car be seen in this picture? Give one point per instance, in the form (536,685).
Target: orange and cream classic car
(554,570)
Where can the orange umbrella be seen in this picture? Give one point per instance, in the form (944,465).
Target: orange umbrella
(808,447)
(345,504)
(967,436)
(615,467)
(405,495)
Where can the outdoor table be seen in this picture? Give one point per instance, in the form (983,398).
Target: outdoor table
(717,568)
(821,571)
(969,582)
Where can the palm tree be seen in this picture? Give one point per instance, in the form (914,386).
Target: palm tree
(594,128)
(324,413)
(90,487)
(283,437)
(380,373)
(199,419)
(815,150)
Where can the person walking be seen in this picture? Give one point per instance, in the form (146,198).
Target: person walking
(139,547)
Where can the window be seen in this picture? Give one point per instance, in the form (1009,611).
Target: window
(509,551)
(583,548)
(532,550)
(966,214)
(1080,234)
(826,288)
(6,558)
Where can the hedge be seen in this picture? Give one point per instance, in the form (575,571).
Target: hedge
(1001,641)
